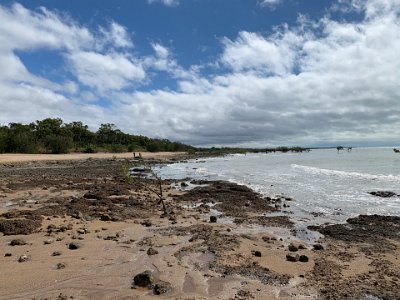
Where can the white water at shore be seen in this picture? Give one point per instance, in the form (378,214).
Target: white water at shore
(321,181)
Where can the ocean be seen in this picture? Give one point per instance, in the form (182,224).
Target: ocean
(326,186)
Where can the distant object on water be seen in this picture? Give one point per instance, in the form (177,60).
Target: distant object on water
(396,150)
(338,148)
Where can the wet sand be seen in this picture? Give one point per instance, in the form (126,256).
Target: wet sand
(115,220)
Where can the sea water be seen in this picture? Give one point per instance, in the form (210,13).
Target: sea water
(326,186)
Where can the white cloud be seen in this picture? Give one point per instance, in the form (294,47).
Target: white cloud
(117,36)
(25,29)
(274,55)
(270,3)
(104,72)
(165,2)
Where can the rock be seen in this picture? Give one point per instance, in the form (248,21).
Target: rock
(147,223)
(302,247)
(256,253)
(23,258)
(56,253)
(293,248)
(383,194)
(7,254)
(213,219)
(162,287)
(48,242)
(105,217)
(184,184)
(318,247)
(74,246)
(143,279)
(81,231)
(292,257)
(152,251)
(60,266)
(303,258)
(17,242)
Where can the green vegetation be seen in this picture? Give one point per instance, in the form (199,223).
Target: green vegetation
(54,136)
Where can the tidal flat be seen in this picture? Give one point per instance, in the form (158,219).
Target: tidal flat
(83,229)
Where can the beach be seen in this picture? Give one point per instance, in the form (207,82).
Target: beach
(77,227)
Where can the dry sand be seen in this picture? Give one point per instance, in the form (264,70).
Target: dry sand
(18,158)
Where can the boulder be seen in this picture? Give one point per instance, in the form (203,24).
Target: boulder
(303,258)
(318,247)
(144,279)
(213,219)
(293,248)
(292,257)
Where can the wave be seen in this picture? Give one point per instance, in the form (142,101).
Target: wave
(315,170)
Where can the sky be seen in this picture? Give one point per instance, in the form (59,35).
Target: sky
(248,73)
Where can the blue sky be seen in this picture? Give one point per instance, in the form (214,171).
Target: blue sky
(207,72)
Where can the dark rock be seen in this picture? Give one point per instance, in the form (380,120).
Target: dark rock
(17,242)
(105,218)
(143,279)
(318,247)
(213,219)
(162,287)
(303,258)
(152,251)
(56,253)
(147,223)
(20,226)
(74,246)
(184,184)
(7,254)
(256,253)
(383,194)
(60,266)
(293,248)
(292,257)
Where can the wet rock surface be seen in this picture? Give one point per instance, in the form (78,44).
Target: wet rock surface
(383,194)
(374,230)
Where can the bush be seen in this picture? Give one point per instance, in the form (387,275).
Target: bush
(89,149)
(58,144)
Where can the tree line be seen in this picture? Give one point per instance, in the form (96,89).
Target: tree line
(52,135)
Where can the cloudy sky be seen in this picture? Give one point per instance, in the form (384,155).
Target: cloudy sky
(207,72)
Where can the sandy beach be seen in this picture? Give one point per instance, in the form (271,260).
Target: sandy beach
(79,228)
(18,158)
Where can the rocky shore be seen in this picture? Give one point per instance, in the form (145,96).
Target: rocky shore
(83,229)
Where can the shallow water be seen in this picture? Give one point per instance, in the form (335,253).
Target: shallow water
(335,186)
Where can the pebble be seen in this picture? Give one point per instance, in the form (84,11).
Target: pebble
(23,258)
(74,246)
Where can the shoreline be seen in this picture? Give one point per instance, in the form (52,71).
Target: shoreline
(116,221)
(25,158)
